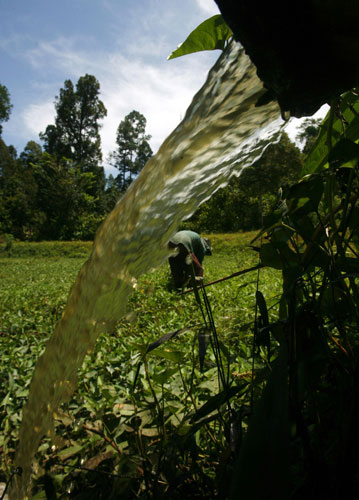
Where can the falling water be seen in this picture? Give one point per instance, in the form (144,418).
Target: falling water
(221,134)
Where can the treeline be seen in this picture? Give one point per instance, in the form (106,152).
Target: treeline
(58,190)
(242,205)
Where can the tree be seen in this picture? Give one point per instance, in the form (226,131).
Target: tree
(69,211)
(75,134)
(43,197)
(133,150)
(18,212)
(242,204)
(308,133)
(5,105)
(280,164)
(31,155)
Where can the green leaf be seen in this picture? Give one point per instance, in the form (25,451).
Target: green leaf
(262,307)
(212,34)
(69,452)
(304,196)
(262,467)
(149,432)
(344,151)
(189,430)
(164,377)
(175,356)
(305,228)
(349,113)
(270,256)
(217,401)
(166,337)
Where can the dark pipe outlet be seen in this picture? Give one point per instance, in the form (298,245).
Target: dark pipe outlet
(306,52)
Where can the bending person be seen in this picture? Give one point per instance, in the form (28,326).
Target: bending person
(191,248)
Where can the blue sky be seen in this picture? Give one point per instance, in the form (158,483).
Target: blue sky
(123,43)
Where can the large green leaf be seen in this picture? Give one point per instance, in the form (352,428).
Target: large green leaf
(347,117)
(262,470)
(345,152)
(304,196)
(210,35)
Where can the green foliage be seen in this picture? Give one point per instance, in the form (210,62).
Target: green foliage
(169,432)
(71,202)
(46,197)
(212,34)
(133,150)
(343,116)
(313,238)
(5,105)
(20,249)
(18,200)
(252,383)
(242,204)
(75,134)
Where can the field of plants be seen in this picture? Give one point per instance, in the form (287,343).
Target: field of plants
(155,408)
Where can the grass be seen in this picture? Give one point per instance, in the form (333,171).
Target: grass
(167,434)
(75,249)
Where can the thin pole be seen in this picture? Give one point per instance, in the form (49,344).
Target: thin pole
(238,273)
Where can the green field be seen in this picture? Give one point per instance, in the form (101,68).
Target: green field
(141,437)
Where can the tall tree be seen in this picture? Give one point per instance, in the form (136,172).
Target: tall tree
(5,105)
(133,150)
(75,134)
(69,211)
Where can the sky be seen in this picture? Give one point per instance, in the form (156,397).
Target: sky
(123,43)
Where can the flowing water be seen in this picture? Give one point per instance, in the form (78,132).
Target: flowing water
(221,134)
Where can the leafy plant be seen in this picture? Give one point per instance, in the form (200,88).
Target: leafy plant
(306,416)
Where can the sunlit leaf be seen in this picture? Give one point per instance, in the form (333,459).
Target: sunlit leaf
(175,356)
(163,377)
(210,35)
(69,452)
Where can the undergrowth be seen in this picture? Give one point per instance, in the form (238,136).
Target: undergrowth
(142,420)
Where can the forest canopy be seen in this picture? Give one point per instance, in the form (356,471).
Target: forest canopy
(57,189)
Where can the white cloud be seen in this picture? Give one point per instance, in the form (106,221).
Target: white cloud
(36,117)
(60,54)
(208,6)
(294,124)
(161,92)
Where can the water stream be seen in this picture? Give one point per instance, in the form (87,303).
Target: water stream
(221,133)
